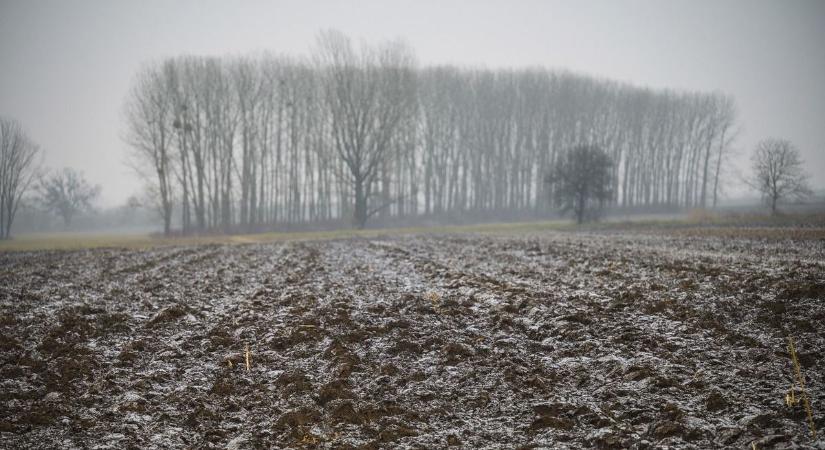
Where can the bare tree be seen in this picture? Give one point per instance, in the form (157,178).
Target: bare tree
(149,118)
(369,94)
(254,143)
(66,193)
(778,173)
(582,182)
(17,170)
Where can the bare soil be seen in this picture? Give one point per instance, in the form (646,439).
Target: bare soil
(562,340)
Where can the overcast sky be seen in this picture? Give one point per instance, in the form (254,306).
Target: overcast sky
(66,66)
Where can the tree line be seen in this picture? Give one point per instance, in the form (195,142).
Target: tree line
(355,132)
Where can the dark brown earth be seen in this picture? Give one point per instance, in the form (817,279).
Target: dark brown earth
(562,340)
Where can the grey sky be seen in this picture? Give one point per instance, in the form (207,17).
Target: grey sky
(66,66)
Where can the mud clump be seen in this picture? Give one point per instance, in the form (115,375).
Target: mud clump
(298,417)
(559,423)
(716,402)
(294,381)
(803,290)
(559,416)
(166,315)
(336,389)
(666,428)
(395,432)
(456,352)
(405,346)
(344,411)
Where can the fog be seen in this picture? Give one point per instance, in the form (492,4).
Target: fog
(412,224)
(67,67)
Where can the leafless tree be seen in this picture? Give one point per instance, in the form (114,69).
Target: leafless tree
(369,93)
(149,121)
(17,170)
(255,143)
(582,182)
(778,173)
(66,193)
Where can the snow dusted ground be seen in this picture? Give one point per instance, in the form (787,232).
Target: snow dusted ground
(563,340)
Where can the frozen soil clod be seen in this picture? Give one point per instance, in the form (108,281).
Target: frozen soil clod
(562,340)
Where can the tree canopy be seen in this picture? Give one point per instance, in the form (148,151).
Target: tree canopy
(582,182)
(66,193)
(777,172)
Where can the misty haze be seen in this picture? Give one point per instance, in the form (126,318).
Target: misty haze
(396,224)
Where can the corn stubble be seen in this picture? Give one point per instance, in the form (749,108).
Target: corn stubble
(790,398)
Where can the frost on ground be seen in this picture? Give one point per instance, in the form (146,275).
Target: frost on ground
(562,340)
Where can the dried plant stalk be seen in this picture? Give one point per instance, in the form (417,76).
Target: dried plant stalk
(799,379)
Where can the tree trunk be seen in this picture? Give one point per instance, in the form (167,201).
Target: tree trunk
(360,215)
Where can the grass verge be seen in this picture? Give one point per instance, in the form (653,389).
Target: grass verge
(803,226)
